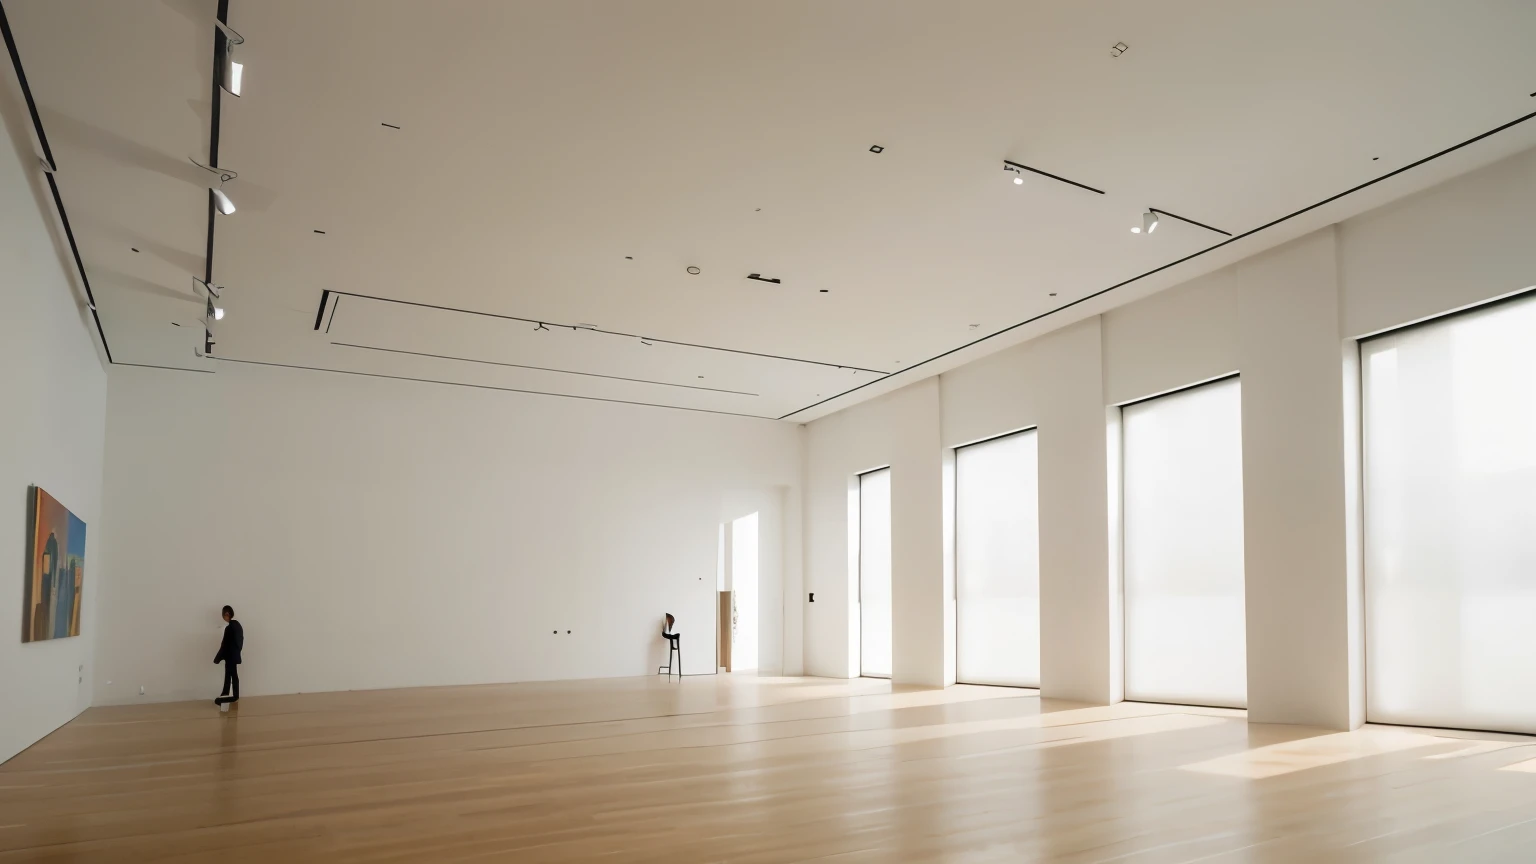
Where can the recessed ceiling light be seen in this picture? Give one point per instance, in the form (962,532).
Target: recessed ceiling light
(693,271)
(876,148)
(1375,158)
(134,248)
(318,231)
(824,290)
(1053,293)
(629,257)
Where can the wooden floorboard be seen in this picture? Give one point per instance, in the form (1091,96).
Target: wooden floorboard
(746,769)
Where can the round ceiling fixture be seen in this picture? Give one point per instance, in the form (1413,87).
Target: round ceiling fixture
(693,271)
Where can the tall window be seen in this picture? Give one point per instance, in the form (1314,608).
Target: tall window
(1185,633)
(1449,435)
(875,574)
(997,562)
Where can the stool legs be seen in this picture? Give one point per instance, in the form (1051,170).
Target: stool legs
(674,646)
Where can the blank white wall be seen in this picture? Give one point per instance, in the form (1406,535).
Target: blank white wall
(774,550)
(1054,382)
(386,533)
(54,391)
(1275,318)
(1294,511)
(1456,244)
(899,429)
(1285,319)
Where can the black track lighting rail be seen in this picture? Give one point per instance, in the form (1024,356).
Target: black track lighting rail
(327,294)
(53,184)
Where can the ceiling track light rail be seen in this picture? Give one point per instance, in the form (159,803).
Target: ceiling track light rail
(50,166)
(327,295)
(1015,167)
(1190,221)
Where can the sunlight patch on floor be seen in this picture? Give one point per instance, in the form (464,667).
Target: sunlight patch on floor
(1286,757)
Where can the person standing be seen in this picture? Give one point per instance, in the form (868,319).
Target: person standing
(229,655)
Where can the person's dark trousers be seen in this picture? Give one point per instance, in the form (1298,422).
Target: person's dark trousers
(231,692)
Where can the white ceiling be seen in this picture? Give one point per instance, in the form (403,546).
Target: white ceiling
(545,145)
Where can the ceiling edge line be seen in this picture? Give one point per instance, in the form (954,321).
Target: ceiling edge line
(499,389)
(541,368)
(169,368)
(598,330)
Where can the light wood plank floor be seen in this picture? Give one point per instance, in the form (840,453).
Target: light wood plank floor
(734,768)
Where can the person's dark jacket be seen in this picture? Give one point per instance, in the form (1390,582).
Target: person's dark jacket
(234,640)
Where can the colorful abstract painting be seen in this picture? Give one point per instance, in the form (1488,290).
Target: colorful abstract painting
(55,571)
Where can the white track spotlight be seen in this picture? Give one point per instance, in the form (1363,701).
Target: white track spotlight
(221,201)
(232,73)
(218,313)
(1018,174)
(1148,223)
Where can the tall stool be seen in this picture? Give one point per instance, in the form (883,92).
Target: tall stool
(674,646)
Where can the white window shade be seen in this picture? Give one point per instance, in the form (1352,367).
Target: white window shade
(997,562)
(1185,621)
(1449,434)
(875,574)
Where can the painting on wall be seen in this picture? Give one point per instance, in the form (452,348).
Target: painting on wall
(50,606)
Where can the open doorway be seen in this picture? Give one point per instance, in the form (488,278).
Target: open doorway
(738,582)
